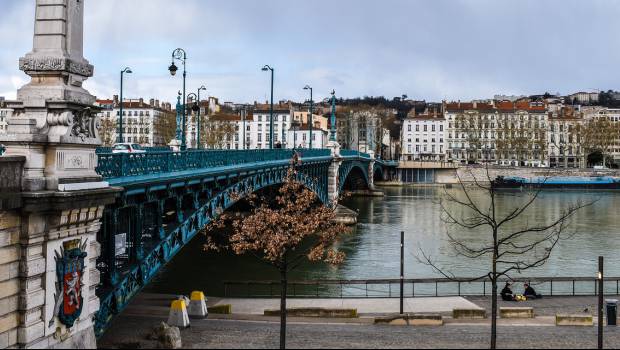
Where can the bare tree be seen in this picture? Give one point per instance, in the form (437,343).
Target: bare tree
(513,245)
(283,232)
(164,128)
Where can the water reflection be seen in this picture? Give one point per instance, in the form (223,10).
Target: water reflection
(373,248)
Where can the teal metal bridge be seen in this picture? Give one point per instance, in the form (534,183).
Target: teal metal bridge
(169,197)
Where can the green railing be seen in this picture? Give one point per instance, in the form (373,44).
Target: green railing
(352,153)
(138,164)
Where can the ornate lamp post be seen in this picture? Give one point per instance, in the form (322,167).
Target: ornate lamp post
(332,136)
(194,107)
(265,69)
(202,88)
(181,55)
(310,123)
(179,109)
(120,113)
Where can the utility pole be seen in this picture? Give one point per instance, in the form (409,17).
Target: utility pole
(601,290)
(402,272)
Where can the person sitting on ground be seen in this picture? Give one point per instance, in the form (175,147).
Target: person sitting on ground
(507,294)
(530,293)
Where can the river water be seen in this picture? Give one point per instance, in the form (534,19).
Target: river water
(373,249)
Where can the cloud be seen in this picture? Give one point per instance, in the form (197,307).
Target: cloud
(454,49)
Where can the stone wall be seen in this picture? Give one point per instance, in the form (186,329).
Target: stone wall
(10,253)
(468,174)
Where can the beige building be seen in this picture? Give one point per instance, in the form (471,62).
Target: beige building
(503,133)
(140,121)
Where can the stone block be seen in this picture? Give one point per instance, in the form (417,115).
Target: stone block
(469,314)
(31,316)
(30,333)
(9,220)
(9,254)
(32,300)
(220,309)
(9,236)
(9,304)
(411,320)
(574,320)
(9,288)
(9,322)
(9,271)
(315,312)
(33,267)
(516,312)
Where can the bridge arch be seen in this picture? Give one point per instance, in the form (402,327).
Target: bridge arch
(151,240)
(353,175)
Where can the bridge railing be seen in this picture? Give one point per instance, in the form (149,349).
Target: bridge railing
(118,165)
(352,153)
(440,287)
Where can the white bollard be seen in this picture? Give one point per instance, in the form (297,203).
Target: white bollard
(178,314)
(198,305)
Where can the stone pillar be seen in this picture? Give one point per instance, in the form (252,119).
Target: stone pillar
(54,124)
(49,225)
(333,177)
(371,171)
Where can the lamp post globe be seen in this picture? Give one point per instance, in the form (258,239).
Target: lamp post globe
(173,69)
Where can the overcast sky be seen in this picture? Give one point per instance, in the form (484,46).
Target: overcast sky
(427,49)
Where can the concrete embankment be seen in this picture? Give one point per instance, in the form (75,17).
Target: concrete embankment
(345,216)
(472,174)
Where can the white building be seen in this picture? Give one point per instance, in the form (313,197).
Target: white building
(299,137)
(424,137)
(139,120)
(260,132)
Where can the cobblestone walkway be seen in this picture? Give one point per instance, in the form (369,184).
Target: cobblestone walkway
(215,334)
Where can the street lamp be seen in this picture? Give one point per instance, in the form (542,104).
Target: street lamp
(308,87)
(180,55)
(332,137)
(120,113)
(265,69)
(295,126)
(196,109)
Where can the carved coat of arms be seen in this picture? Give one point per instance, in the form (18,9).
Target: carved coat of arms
(70,265)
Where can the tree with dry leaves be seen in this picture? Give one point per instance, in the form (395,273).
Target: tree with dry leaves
(283,231)
(511,243)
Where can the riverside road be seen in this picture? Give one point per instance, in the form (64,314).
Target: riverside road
(254,331)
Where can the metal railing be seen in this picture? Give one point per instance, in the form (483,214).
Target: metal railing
(352,153)
(430,287)
(136,164)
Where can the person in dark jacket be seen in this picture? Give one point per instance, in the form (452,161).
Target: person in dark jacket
(530,293)
(507,294)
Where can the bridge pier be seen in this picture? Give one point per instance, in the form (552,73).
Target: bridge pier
(50,215)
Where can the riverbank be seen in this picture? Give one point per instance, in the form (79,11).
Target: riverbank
(476,173)
(130,329)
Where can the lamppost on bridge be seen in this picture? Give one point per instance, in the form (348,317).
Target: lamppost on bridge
(181,55)
(196,109)
(265,69)
(332,136)
(120,113)
(202,88)
(310,122)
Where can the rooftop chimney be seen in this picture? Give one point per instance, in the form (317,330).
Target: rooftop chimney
(152,102)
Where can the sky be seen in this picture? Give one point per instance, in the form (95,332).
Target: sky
(427,49)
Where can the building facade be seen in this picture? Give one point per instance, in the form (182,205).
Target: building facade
(142,122)
(503,133)
(424,137)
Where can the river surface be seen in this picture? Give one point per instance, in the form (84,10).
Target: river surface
(373,249)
